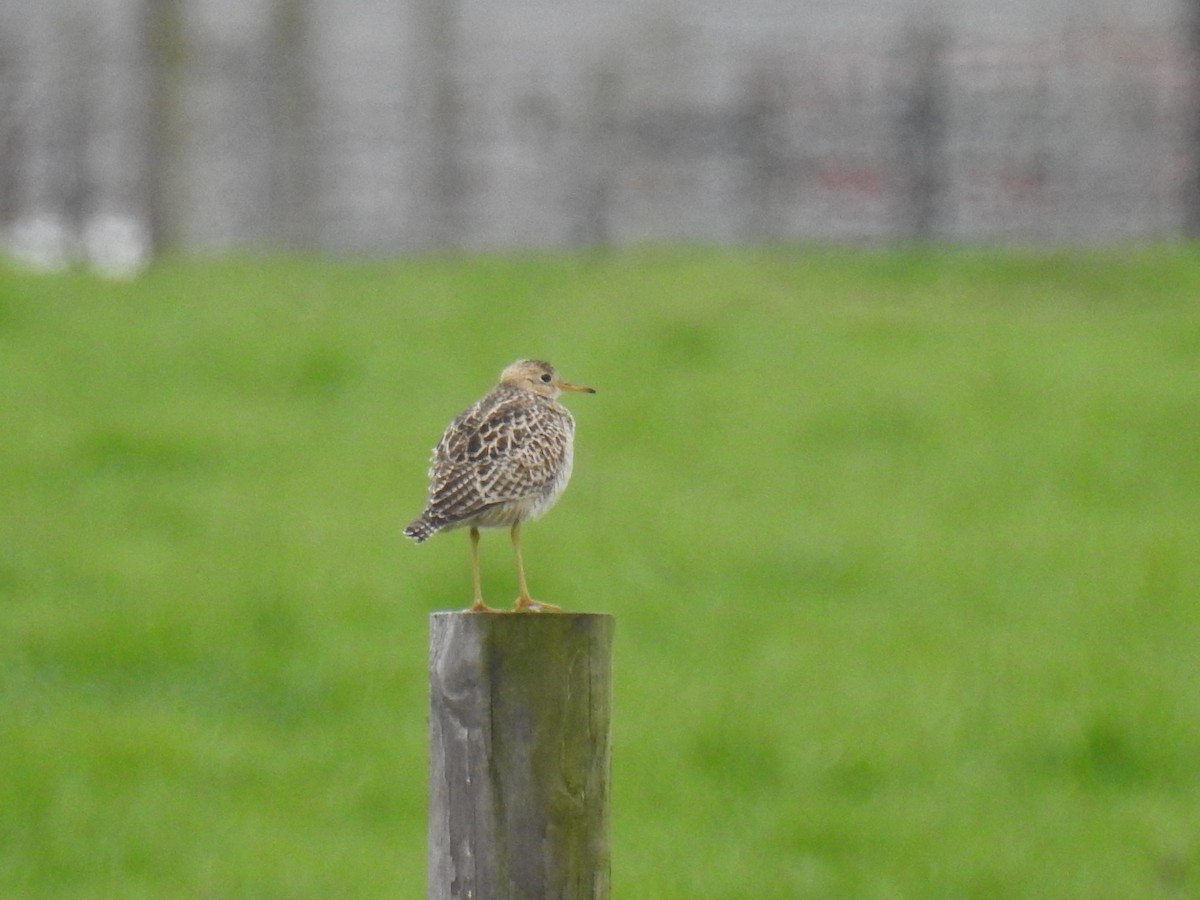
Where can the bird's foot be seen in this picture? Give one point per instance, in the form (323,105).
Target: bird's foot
(528,604)
(480,606)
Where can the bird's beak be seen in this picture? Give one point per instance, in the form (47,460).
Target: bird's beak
(564,386)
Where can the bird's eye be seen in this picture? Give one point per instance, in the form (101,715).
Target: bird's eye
(545,378)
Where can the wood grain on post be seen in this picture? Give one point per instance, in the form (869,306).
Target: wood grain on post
(519,756)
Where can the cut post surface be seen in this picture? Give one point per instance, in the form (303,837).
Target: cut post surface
(519,716)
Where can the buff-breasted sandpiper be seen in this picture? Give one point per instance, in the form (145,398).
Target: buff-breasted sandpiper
(503,461)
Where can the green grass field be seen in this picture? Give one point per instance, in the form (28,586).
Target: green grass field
(904,550)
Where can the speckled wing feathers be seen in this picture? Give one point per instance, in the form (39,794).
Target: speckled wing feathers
(505,459)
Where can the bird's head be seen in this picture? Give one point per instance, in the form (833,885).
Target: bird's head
(539,377)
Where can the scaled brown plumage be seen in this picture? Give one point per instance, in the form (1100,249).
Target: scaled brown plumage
(501,462)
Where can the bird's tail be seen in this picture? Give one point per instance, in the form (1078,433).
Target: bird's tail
(421,529)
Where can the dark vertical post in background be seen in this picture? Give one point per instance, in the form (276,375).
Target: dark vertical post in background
(164,50)
(1190,193)
(447,179)
(519,711)
(293,189)
(768,156)
(599,157)
(10,111)
(921,157)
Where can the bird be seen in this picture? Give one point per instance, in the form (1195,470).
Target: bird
(501,462)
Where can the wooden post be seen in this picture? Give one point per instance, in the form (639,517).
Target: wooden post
(519,756)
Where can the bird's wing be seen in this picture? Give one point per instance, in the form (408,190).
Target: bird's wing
(501,449)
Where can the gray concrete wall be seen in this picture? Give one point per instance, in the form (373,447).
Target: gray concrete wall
(382,126)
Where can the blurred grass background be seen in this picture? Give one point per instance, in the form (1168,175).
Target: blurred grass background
(903,549)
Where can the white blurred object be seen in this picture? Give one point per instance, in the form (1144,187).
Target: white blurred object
(116,244)
(41,241)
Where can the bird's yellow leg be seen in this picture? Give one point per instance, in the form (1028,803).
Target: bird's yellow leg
(525,603)
(477,605)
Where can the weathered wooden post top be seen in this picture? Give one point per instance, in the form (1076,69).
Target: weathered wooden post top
(519,712)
